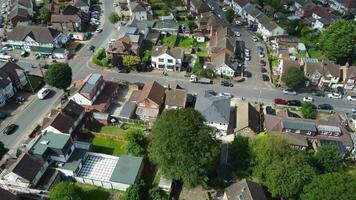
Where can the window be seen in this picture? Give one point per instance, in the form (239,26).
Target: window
(160,60)
(170,61)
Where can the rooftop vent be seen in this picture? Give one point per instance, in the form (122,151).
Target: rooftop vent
(44,142)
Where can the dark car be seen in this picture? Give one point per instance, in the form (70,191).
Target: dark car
(247,74)
(140,85)
(44,65)
(19,99)
(328,89)
(3,115)
(262,63)
(227,83)
(325,107)
(9,129)
(91,48)
(318,93)
(265,77)
(124,70)
(280,101)
(340,90)
(263,70)
(270,110)
(294,103)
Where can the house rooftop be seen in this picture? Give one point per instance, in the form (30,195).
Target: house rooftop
(246,190)
(27,166)
(127,169)
(128,110)
(38,33)
(50,140)
(247,116)
(176,97)
(300,125)
(153,91)
(90,83)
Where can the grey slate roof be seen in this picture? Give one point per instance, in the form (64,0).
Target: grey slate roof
(245,190)
(137,7)
(38,33)
(128,110)
(214,108)
(89,85)
(127,170)
(166,24)
(301,125)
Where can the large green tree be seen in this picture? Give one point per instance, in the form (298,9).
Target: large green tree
(131,61)
(65,190)
(293,78)
(338,40)
(331,186)
(286,178)
(156,193)
(229,14)
(59,75)
(114,17)
(182,146)
(240,153)
(44,15)
(136,142)
(328,158)
(308,111)
(134,192)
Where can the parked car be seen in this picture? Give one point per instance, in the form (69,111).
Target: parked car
(247,74)
(270,110)
(19,99)
(98,30)
(318,93)
(328,89)
(294,103)
(227,83)
(351,98)
(2,115)
(247,57)
(260,49)
(265,77)
(261,54)
(247,52)
(237,34)
(263,70)
(353,110)
(226,94)
(139,85)
(254,38)
(43,93)
(10,129)
(340,90)
(308,99)
(124,70)
(280,101)
(262,63)
(290,92)
(334,95)
(325,107)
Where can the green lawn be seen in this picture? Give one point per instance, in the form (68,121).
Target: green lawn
(112,130)
(313,53)
(203,54)
(274,61)
(91,192)
(109,146)
(160,10)
(34,81)
(202,44)
(169,40)
(185,42)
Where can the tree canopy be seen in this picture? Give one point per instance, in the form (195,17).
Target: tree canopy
(239,150)
(136,142)
(131,61)
(338,40)
(330,186)
(65,190)
(44,15)
(182,146)
(134,192)
(59,75)
(156,193)
(328,158)
(229,14)
(293,78)
(308,111)
(114,17)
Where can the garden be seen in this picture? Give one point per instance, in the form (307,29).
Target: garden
(34,83)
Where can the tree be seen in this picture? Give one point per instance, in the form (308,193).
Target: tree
(330,186)
(328,159)
(114,17)
(101,58)
(65,190)
(182,146)
(264,150)
(239,149)
(286,178)
(59,75)
(197,66)
(156,193)
(192,25)
(293,78)
(229,14)
(131,61)
(338,40)
(134,192)
(44,15)
(308,111)
(136,142)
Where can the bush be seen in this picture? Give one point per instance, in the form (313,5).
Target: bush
(308,111)
(114,17)
(100,58)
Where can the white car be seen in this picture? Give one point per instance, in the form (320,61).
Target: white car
(226,94)
(308,99)
(247,51)
(237,34)
(98,30)
(224,9)
(335,95)
(254,38)
(261,54)
(288,91)
(351,98)
(247,57)
(43,93)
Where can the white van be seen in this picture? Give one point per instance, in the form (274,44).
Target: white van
(43,93)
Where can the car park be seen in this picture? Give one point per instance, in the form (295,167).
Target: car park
(262,63)
(43,93)
(294,103)
(290,92)
(280,101)
(227,83)
(351,98)
(325,107)
(10,129)
(308,99)
(335,95)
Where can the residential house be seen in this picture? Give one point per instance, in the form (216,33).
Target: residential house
(224,64)
(208,22)
(71,19)
(331,74)
(251,14)
(313,70)
(284,65)
(170,26)
(176,97)
(8,195)
(128,110)
(246,190)
(294,140)
(83,5)
(269,28)
(66,120)
(149,100)
(138,11)
(349,76)
(36,39)
(238,5)
(6,89)
(322,18)
(215,109)
(198,6)
(248,119)
(343,6)
(129,42)
(21,11)
(306,10)
(24,173)
(94,93)
(283,124)
(167,58)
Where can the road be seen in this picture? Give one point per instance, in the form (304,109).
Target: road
(37,109)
